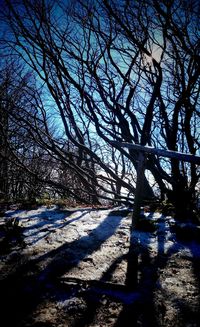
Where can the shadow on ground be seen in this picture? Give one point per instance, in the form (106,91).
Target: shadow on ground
(26,287)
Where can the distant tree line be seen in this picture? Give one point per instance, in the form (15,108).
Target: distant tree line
(90,73)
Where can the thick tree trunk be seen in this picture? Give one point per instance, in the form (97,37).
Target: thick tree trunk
(182,199)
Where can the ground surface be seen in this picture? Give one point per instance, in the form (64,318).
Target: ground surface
(69,268)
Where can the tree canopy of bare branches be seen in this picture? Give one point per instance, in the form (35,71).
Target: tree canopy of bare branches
(125,71)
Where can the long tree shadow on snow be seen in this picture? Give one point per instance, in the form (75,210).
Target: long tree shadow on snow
(63,259)
(143,273)
(141,306)
(17,236)
(48,222)
(46,228)
(68,255)
(25,289)
(129,295)
(141,277)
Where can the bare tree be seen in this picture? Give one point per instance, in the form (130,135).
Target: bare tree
(115,71)
(3,142)
(15,142)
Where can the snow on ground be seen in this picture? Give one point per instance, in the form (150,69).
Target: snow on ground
(90,245)
(88,237)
